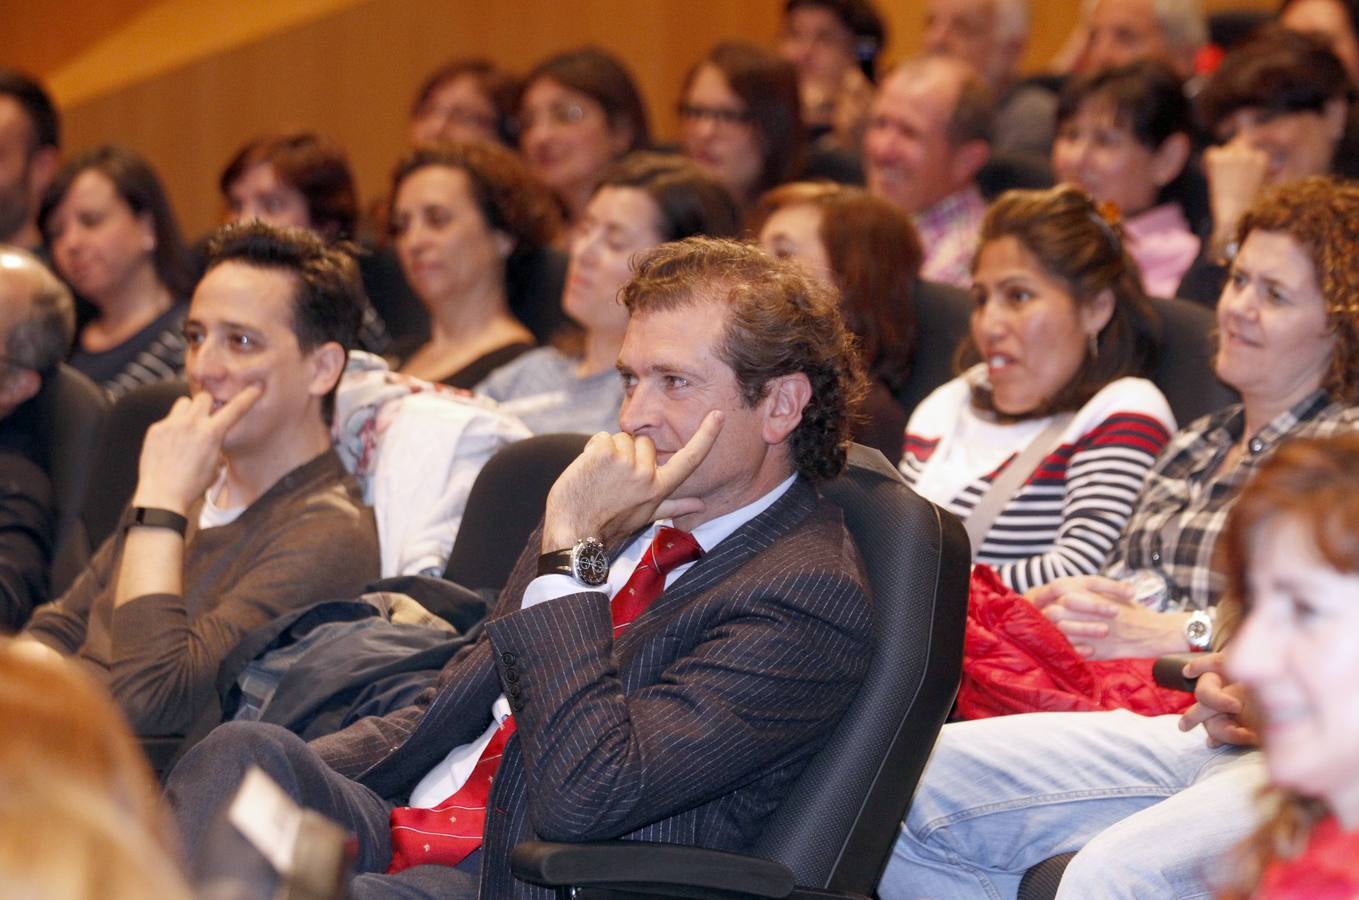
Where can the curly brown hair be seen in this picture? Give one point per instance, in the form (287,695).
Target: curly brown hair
(780,321)
(1314,481)
(509,197)
(1319,213)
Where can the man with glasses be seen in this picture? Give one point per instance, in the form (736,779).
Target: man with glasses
(37,322)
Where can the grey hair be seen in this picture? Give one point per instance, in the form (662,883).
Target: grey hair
(41,338)
(1182,22)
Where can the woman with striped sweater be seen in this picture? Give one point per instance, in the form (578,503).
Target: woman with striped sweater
(1060,333)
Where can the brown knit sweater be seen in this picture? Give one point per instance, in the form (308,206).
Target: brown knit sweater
(308,538)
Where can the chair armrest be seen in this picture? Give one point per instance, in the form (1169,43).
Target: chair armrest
(640,863)
(1168,671)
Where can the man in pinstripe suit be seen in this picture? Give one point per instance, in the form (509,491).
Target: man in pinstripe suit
(691,723)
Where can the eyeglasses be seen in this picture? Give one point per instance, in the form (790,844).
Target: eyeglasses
(718,115)
(556,113)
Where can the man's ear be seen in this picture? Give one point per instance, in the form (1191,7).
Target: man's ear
(327,365)
(967,160)
(784,402)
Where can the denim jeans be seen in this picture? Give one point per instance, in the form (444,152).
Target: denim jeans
(1152,809)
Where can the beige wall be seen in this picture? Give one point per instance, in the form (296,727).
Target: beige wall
(187,81)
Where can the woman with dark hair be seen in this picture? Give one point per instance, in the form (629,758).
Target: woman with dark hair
(300,179)
(1060,335)
(469,99)
(463,216)
(644,200)
(741,119)
(834,45)
(580,111)
(115,240)
(1277,109)
(1123,137)
(867,249)
(1292,559)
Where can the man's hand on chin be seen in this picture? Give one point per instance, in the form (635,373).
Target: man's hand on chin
(182,452)
(616,487)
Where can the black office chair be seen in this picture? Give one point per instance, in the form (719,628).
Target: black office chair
(943,316)
(504,506)
(833,833)
(1184,367)
(72,413)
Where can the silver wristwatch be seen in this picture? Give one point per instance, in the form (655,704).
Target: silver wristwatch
(587,562)
(1198,631)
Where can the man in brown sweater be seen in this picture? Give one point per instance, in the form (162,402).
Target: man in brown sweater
(242,510)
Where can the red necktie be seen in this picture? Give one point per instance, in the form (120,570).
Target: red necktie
(446,834)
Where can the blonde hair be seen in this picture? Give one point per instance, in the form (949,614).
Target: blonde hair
(80,813)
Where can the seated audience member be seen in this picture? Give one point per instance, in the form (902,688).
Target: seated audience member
(645,200)
(740,119)
(242,510)
(1335,21)
(469,99)
(462,216)
(867,250)
(990,36)
(30,133)
(1291,557)
(37,321)
(834,46)
(686,725)
(302,180)
(115,241)
(1117,32)
(1060,334)
(927,138)
(80,813)
(1096,782)
(1123,137)
(1276,108)
(580,112)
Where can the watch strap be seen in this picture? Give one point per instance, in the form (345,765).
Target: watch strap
(555,562)
(155,517)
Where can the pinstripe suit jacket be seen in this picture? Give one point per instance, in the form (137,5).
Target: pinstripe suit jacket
(688,729)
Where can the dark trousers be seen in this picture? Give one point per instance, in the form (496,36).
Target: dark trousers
(206,779)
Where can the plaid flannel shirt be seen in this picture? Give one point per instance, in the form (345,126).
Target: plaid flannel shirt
(1184,501)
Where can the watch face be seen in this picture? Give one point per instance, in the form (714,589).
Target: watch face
(590,563)
(1197,633)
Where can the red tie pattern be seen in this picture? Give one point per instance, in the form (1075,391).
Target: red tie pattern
(446,834)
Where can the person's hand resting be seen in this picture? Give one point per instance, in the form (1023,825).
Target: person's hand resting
(615,487)
(1103,621)
(1222,708)
(183,451)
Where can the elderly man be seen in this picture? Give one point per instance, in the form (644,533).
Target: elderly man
(634,678)
(37,320)
(242,510)
(928,136)
(1117,32)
